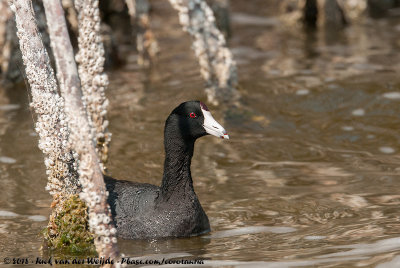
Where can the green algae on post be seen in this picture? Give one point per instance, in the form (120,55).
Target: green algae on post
(70,232)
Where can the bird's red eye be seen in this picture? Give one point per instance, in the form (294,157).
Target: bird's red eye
(192,115)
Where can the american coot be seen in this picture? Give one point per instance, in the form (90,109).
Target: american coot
(142,210)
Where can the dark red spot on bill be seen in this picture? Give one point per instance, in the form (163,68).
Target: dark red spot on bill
(203,106)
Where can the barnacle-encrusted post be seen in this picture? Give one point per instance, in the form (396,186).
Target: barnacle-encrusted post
(146,42)
(91,72)
(11,52)
(51,122)
(93,189)
(216,61)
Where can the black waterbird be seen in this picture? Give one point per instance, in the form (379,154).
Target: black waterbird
(141,210)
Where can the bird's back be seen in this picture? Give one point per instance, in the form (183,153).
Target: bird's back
(139,213)
(131,203)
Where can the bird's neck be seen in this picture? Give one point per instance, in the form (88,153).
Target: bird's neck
(177,179)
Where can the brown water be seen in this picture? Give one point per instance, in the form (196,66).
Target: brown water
(310,176)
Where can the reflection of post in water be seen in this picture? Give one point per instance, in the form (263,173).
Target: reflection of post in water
(338,13)
(146,42)
(310,43)
(332,15)
(323,13)
(380,8)
(310,14)
(332,22)
(222,15)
